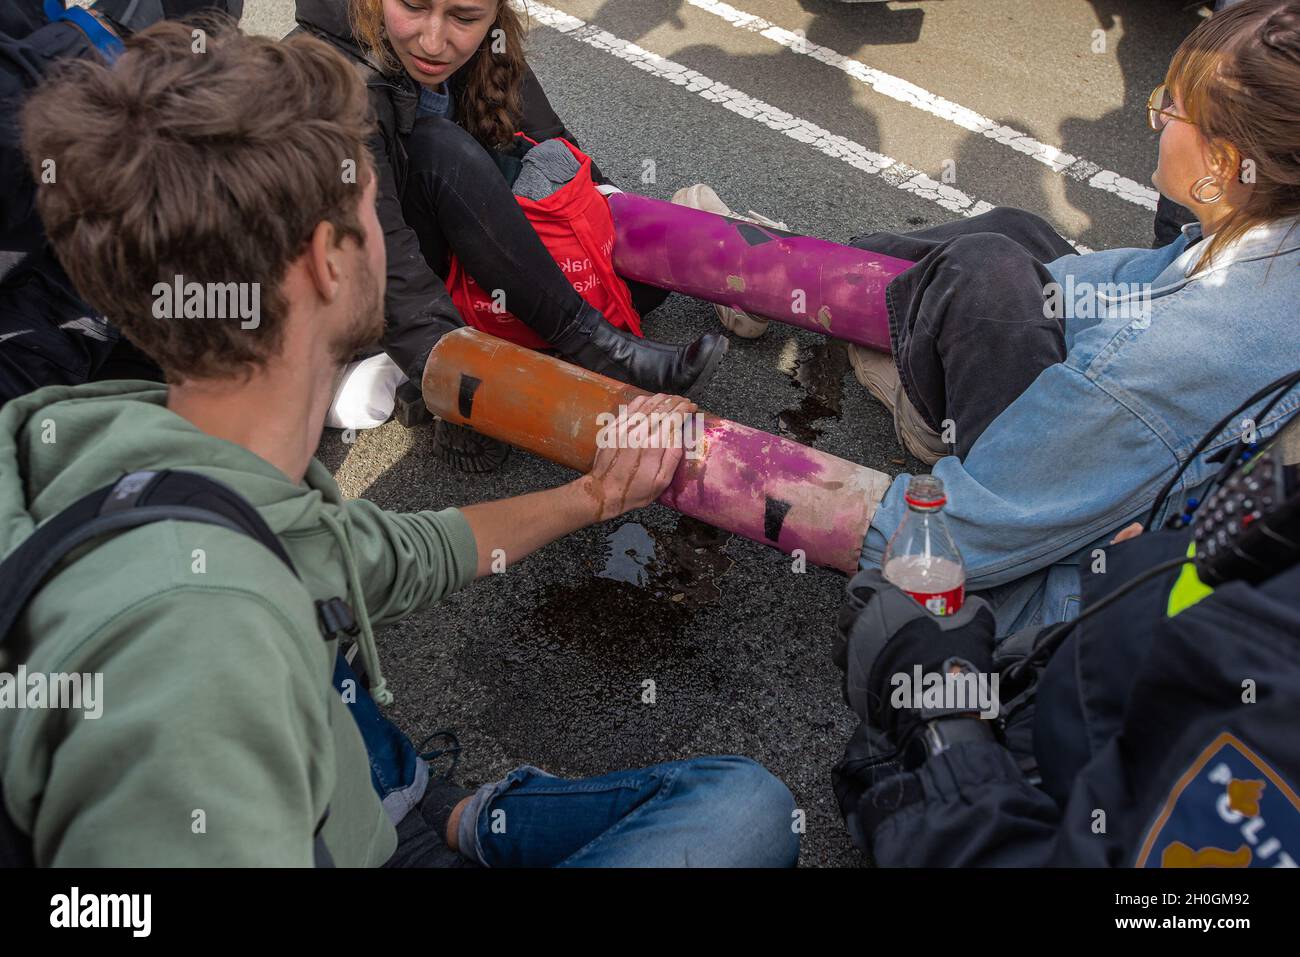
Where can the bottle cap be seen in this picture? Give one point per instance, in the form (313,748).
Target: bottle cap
(925,492)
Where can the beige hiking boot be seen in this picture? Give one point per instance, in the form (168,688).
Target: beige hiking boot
(703,197)
(878,374)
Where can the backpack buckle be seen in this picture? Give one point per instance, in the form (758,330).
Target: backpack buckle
(335,616)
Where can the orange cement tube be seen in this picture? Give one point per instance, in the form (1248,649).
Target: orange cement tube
(752,483)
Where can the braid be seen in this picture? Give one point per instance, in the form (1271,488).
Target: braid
(491,103)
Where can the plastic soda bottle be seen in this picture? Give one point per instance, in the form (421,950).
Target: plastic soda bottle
(922,558)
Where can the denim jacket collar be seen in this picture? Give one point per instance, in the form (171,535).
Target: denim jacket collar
(1260,242)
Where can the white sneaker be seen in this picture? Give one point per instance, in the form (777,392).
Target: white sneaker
(703,197)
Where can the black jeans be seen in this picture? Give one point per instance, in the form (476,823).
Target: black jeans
(457,200)
(967,322)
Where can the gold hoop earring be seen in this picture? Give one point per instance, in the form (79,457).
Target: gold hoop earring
(1199,187)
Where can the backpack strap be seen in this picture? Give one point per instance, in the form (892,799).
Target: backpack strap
(139,498)
(136,499)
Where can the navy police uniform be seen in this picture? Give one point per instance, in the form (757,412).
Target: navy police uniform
(1156,736)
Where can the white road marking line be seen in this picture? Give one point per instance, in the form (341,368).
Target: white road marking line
(899,175)
(903,91)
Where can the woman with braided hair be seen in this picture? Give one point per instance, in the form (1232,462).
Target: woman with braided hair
(451,89)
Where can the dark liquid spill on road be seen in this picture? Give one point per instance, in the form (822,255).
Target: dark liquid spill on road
(819,372)
(683,565)
(572,679)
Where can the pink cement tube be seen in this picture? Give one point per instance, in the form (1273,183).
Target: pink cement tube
(825,287)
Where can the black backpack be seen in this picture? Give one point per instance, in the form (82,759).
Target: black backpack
(139,498)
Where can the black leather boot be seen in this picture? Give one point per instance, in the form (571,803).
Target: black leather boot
(591,342)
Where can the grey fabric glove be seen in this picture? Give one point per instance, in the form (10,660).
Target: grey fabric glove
(883,632)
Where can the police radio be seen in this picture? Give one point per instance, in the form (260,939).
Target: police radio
(1248,526)
(1248,529)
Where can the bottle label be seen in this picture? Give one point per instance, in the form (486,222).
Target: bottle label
(941,603)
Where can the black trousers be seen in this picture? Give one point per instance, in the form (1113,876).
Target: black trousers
(967,322)
(457,200)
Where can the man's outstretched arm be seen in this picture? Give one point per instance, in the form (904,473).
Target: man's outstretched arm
(620,480)
(408,561)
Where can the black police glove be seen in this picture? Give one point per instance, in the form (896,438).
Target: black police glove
(132,16)
(883,633)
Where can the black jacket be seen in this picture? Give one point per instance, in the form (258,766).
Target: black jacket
(50,335)
(1160,740)
(417,307)
(25,58)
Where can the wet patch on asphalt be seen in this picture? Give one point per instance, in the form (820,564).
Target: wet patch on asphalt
(819,373)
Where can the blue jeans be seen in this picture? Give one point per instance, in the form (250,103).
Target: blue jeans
(704,812)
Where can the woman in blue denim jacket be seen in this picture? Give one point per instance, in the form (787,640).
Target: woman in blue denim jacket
(1068,387)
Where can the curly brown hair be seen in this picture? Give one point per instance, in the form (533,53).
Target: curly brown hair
(161,171)
(490,105)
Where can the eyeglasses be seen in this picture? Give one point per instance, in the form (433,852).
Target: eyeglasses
(1160,109)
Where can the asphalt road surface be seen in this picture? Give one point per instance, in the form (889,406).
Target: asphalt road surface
(838,119)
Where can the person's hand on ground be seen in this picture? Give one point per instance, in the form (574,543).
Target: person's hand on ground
(634,470)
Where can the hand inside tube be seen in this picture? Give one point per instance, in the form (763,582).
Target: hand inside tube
(634,471)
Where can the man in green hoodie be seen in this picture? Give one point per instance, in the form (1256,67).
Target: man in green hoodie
(217,204)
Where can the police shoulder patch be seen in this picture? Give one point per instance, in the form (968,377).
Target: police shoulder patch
(1229,809)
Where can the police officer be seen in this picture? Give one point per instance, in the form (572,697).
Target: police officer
(1160,732)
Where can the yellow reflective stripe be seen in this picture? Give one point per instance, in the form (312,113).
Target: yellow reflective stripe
(1189,589)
